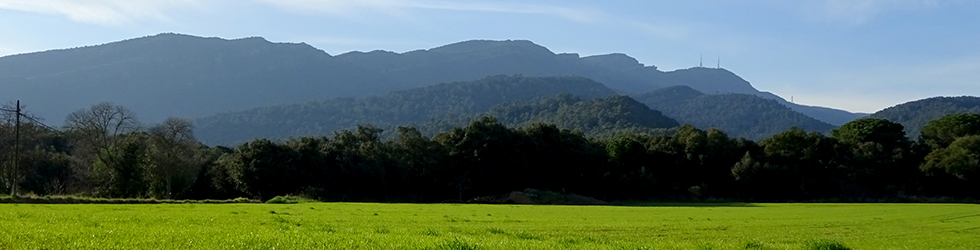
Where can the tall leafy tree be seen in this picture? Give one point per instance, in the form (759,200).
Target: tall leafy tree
(880,161)
(792,164)
(960,159)
(422,164)
(485,155)
(955,170)
(177,157)
(942,132)
(262,169)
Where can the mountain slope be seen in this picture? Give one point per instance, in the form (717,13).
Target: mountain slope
(916,114)
(180,75)
(592,116)
(739,115)
(408,107)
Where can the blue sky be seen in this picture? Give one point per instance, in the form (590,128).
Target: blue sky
(857,55)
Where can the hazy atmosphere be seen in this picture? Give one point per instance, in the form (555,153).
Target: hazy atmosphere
(860,55)
(479,124)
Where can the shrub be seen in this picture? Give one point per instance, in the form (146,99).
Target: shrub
(287,200)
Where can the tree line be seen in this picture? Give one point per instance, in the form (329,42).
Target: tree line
(105,151)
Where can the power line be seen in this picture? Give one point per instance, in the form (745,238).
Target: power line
(32,119)
(17,115)
(36,122)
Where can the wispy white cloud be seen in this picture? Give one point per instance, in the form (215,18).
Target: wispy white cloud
(343,7)
(332,7)
(105,12)
(574,14)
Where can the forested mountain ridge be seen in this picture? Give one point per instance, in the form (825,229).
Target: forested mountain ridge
(916,114)
(739,115)
(401,108)
(602,116)
(180,75)
(592,116)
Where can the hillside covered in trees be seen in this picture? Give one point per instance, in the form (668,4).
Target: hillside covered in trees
(597,117)
(431,104)
(916,114)
(515,101)
(186,76)
(739,115)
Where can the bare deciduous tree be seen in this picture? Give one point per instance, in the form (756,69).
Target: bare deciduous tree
(176,155)
(96,131)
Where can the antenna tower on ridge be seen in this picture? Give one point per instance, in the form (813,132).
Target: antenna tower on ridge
(701,61)
(719,62)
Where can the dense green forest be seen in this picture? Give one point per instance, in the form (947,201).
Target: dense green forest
(186,76)
(514,100)
(598,117)
(425,105)
(592,117)
(740,115)
(103,151)
(916,114)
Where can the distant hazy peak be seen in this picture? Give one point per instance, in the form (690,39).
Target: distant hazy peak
(617,61)
(169,39)
(177,37)
(481,45)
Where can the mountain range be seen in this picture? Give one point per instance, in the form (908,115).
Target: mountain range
(186,76)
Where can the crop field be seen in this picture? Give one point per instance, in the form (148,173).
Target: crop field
(463,226)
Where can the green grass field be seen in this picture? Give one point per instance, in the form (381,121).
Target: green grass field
(455,226)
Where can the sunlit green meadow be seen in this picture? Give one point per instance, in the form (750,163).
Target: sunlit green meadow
(459,226)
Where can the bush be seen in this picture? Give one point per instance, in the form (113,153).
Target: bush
(287,200)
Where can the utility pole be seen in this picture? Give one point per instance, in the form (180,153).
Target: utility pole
(14,172)
(13,184)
